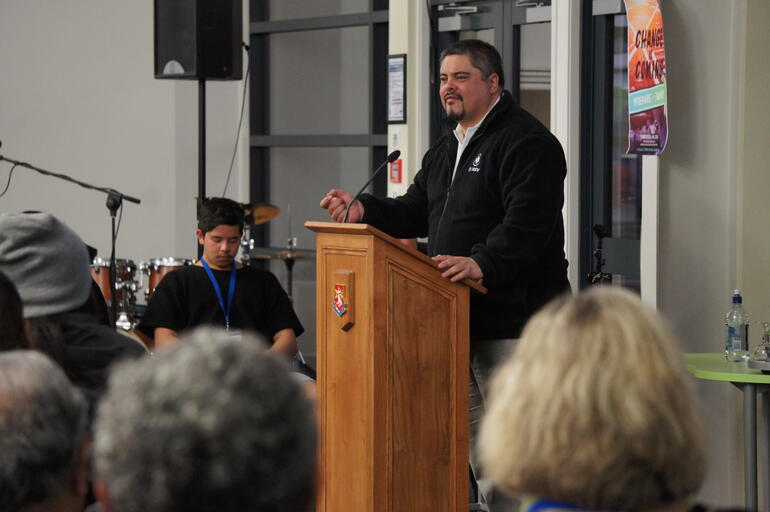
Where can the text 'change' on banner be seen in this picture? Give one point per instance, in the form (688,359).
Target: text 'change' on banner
(647,98)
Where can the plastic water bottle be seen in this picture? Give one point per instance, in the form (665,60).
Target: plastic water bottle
(737,330)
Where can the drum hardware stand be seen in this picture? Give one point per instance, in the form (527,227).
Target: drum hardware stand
(127,314)
(254,215)
(247,244)
(114,201)
(291,244)
(124,322)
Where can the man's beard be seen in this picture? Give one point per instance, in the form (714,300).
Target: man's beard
(452,118)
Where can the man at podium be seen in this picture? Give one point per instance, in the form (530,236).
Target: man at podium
(489,197)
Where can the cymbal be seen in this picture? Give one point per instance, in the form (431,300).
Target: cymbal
(259,213)
(276,253)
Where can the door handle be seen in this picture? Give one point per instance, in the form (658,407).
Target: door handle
(458,9)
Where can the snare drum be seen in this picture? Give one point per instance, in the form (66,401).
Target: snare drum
(125,271)
(157,268)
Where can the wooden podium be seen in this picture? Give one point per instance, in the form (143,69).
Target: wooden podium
(392,362)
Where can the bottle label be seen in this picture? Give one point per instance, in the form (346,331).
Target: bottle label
(736,337)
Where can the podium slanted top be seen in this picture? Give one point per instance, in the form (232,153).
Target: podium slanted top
(366,229)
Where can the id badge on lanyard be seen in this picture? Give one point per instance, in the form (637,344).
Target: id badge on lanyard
(230,292)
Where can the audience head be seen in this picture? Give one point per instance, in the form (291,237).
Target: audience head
(46,260)
(42,435)
(594,409)
(12,334)
(210,423)
(218,211)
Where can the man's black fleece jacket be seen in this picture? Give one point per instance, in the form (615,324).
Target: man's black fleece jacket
(503,209)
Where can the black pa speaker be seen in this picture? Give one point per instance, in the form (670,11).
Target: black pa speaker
(198,39)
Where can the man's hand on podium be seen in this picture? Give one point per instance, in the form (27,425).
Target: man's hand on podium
(457,268)
(337,201)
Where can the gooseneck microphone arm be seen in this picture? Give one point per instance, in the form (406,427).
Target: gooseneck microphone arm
(114,202)
(391,158)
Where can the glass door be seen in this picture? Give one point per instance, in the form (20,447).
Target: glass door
(611,180)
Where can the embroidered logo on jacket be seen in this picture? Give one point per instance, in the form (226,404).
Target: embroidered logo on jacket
(475,164)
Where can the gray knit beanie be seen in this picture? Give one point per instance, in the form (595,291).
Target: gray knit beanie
(46,261)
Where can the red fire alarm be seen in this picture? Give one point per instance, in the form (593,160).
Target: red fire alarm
(395,171)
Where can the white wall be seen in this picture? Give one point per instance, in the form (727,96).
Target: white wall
(697,233)
(713,198)
(78,96)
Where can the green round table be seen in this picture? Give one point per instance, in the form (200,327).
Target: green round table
(750,382)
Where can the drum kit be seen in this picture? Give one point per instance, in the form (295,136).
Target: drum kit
(128,278)
(127,283)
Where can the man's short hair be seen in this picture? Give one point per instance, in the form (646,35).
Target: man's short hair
(216,211)
(595,409)
(12,336)
(211,423)
(484,57)
(43,422)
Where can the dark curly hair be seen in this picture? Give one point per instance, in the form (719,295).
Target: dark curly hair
(215,211)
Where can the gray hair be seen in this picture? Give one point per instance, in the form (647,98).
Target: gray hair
(43,419)
(211,423)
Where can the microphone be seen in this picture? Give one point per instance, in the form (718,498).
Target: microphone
(391,158)
(600,231)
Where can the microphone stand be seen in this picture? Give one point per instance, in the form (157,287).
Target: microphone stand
(114,202)
(598,276)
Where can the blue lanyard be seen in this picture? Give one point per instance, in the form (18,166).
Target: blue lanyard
(230,292)
(541,505)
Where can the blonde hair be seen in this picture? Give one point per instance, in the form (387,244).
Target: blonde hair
(594,408)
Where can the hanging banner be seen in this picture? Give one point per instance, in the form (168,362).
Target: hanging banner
(647,98)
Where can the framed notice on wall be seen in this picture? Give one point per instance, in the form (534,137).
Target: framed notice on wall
(397,89)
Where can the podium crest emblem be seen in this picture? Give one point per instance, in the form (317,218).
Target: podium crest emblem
(339,302)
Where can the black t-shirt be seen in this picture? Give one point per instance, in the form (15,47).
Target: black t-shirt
(185,298)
